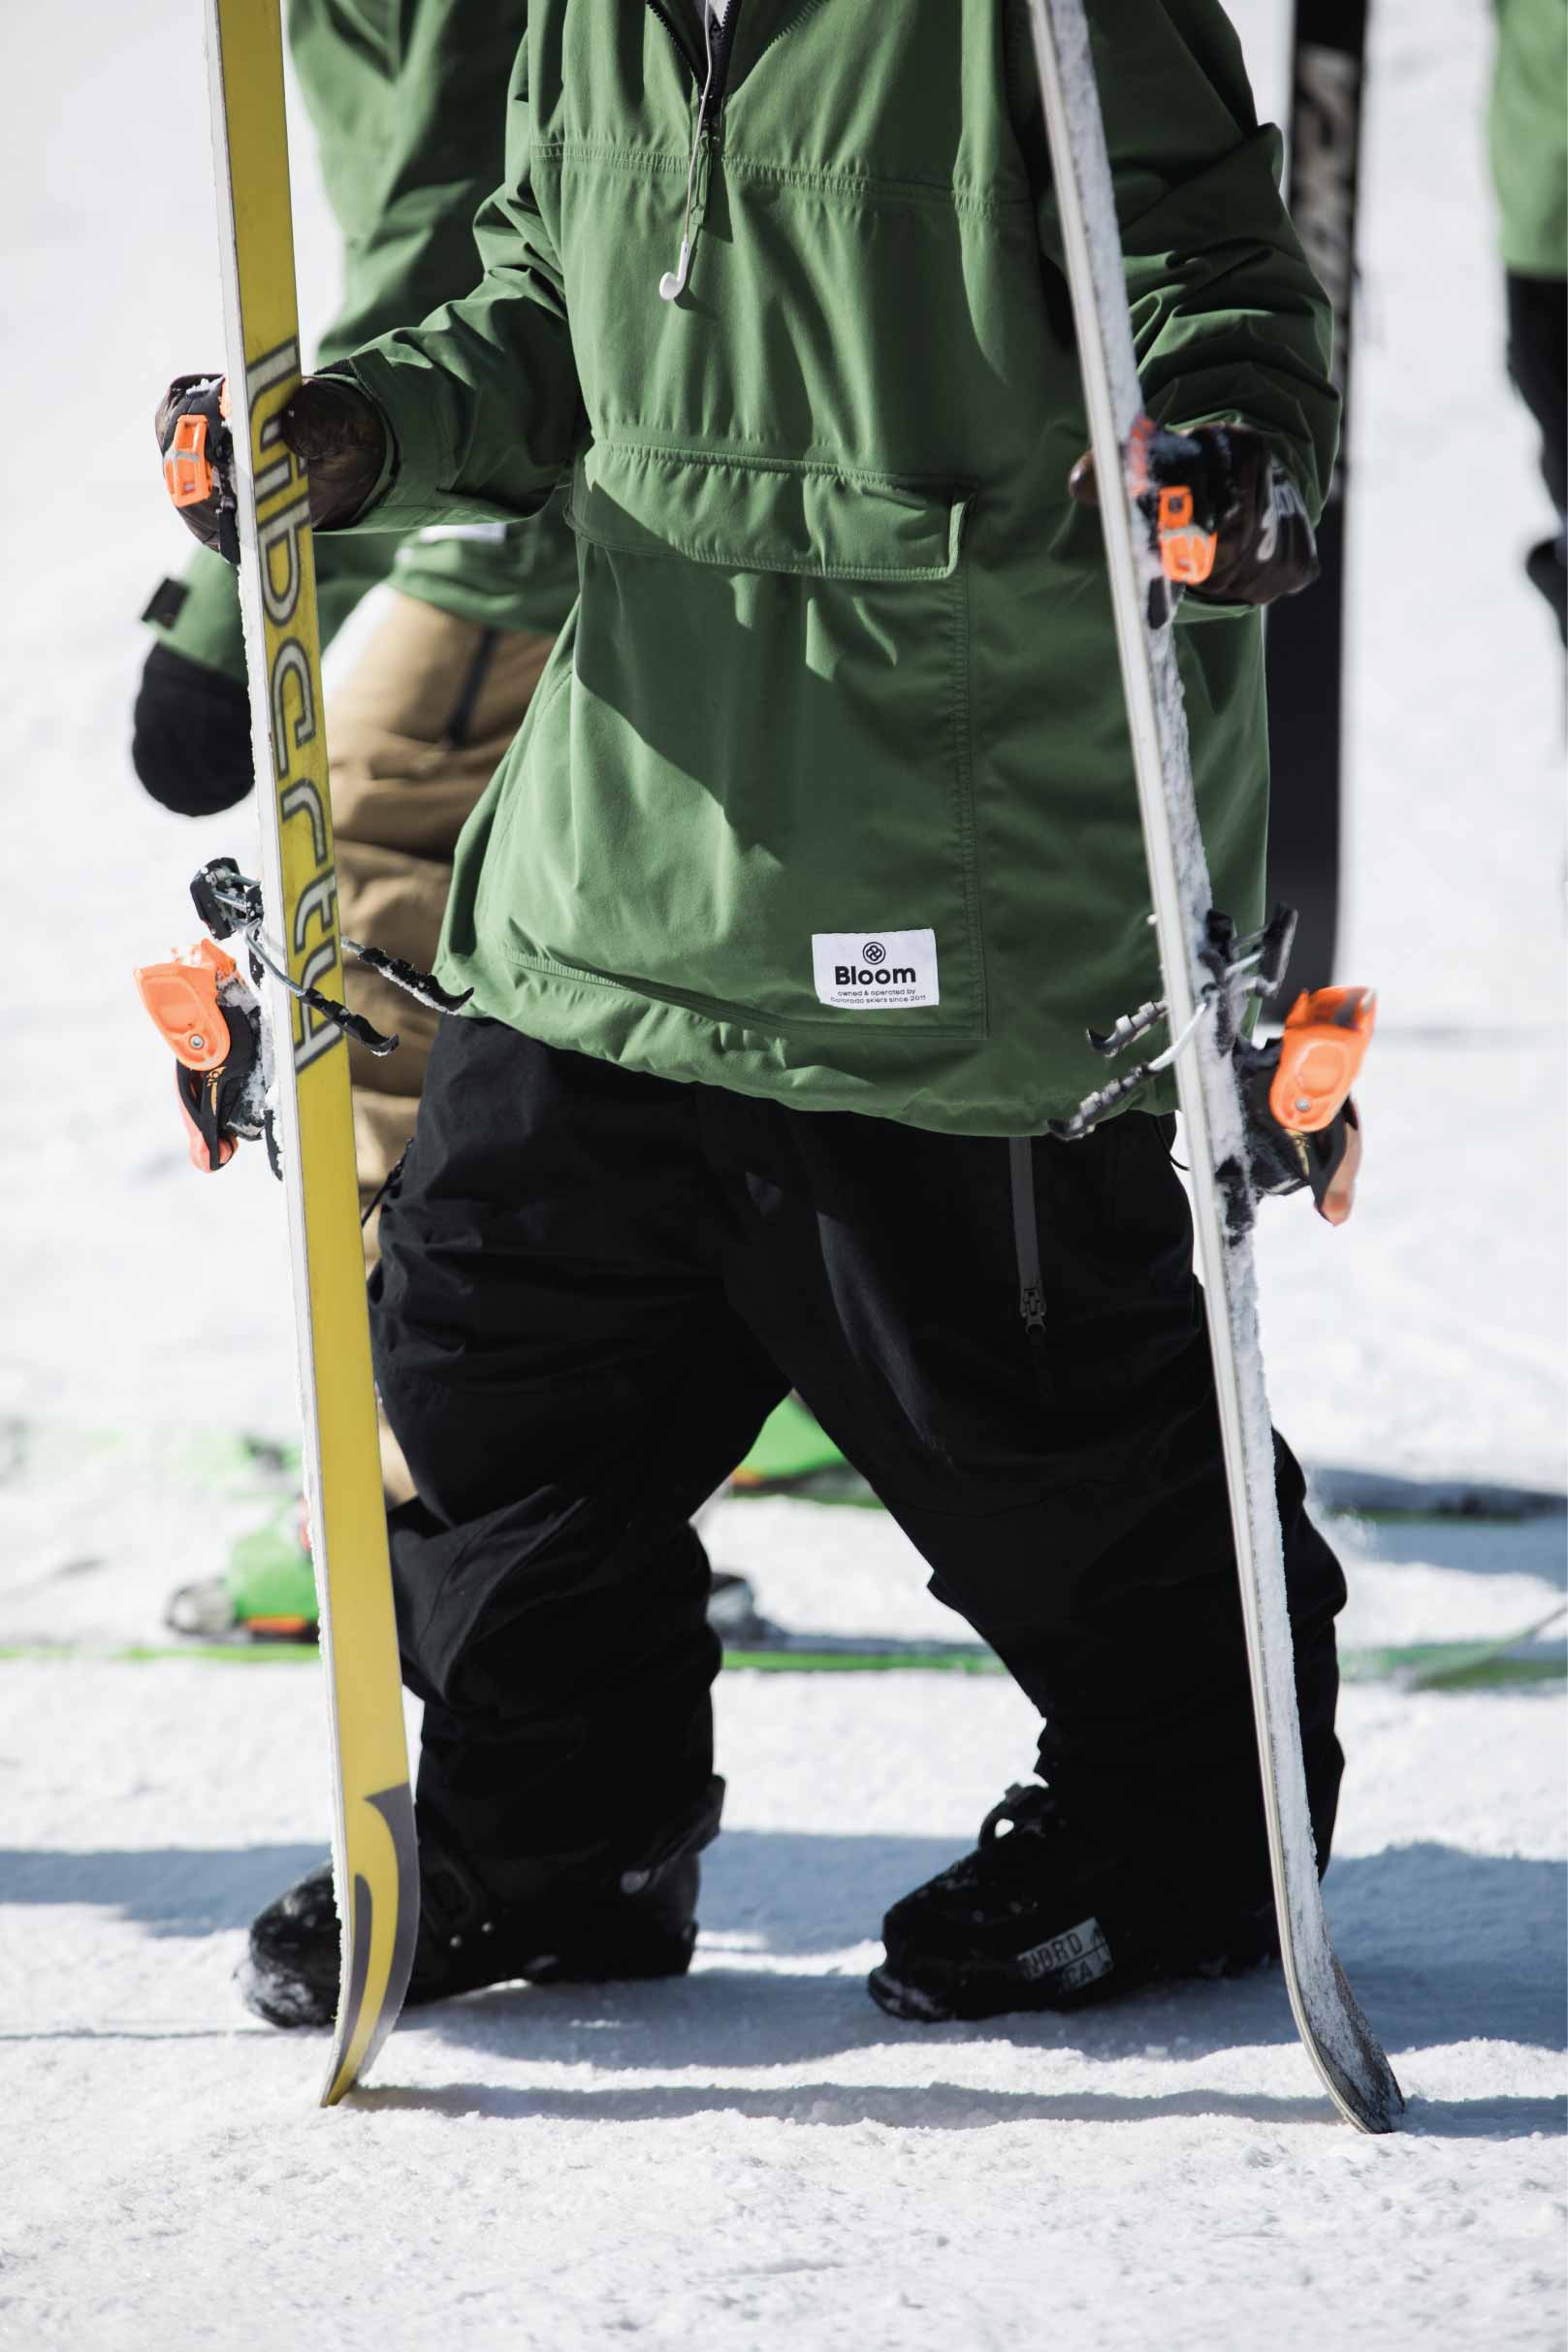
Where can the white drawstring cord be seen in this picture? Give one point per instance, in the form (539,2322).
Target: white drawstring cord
(672,285)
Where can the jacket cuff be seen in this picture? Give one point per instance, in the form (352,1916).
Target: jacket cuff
(405,496)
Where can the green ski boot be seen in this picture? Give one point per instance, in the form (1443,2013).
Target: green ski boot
(267,1591)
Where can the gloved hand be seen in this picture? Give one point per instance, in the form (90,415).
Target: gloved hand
(1241,534)
(190,735)
(329,423)
(336,429)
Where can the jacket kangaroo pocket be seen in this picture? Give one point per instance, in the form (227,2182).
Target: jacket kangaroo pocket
(756,798)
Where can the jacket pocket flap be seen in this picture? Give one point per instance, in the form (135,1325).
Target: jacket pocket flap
(747,515)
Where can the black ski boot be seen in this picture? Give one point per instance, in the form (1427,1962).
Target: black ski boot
(1041,1917)
(598,1917)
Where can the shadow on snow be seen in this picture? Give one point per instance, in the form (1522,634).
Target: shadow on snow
(950,2106)
(1442,1947)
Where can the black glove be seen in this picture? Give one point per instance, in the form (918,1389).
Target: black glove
(190,735)
(329,423)
(1230,522)
(336,429)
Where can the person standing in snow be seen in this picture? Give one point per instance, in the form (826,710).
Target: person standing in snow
(785,919)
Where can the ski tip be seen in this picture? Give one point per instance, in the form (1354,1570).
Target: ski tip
(1361,2082)
(380,1921)
(1375,2103)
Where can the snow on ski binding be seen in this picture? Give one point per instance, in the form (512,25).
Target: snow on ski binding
(213,1018)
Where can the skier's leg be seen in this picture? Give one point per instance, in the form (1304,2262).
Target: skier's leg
(1071,1502)
(558,1362)
(556,1358)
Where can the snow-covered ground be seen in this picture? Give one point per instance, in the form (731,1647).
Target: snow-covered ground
(757,2157)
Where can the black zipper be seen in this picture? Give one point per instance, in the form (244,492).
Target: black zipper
(682,51)
(715,107)
(1026,1241)
(697,67)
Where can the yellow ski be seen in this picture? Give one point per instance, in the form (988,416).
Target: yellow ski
(374,1854)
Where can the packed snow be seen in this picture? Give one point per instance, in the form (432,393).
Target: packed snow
(757,2157)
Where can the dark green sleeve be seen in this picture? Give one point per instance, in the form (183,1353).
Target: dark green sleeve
(483,401)
(407,99)
(1227,320)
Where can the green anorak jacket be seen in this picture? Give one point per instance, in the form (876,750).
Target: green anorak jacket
(827,794)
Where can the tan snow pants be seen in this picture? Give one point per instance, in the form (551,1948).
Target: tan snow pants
(416,731)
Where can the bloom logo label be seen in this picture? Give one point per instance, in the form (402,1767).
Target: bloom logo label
(875,971)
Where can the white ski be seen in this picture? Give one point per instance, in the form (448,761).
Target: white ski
(1337,2037)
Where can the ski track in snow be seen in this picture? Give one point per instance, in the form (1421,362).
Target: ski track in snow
(787,2166)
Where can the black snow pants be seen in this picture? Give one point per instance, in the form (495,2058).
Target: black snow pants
(594,1286)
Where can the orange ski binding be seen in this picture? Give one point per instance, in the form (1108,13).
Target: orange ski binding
(210,1018)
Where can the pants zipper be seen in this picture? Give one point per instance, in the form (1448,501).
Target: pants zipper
(1026,1242)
